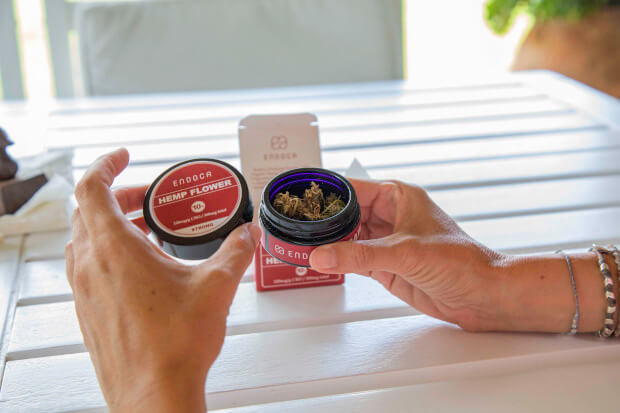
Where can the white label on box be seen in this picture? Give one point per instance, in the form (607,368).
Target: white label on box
(271,144)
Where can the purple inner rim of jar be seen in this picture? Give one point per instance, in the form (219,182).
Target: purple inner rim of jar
(273,192)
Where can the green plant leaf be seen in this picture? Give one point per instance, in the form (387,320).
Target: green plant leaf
(500,14)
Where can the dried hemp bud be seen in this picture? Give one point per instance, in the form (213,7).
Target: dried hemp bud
(313,206)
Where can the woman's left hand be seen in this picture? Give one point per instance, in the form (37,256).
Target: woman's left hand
(153,327)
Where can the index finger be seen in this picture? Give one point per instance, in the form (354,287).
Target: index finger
(97,203)
(366,191)
(377,198)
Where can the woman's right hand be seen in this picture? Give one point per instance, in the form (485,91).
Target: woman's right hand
(419,254)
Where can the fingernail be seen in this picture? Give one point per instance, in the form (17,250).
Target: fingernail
(255,232)
(324,257)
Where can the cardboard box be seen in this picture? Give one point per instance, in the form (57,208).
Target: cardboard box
(269,145)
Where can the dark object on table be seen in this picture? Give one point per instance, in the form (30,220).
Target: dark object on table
(8,167)
(15,194)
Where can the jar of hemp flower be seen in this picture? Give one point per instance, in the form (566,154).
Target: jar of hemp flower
(303,208)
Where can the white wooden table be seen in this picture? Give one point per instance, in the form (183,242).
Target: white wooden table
(526,163)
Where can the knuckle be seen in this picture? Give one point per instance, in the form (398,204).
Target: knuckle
(363,255)
(240,244)
(413,190)
(105,246)
(81,283)
(219,276)
(85,187)
(107,251)
(220,273)
(404,192)
(394,182)
(392,185)
(417,192)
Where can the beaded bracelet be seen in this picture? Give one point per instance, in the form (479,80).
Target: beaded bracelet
(614,251)
(610,296)
(575,324)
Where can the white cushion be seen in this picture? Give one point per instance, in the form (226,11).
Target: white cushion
(142,47)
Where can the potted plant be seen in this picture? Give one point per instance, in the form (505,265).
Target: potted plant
(578,38)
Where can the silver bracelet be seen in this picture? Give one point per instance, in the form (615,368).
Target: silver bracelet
(610,297)
(575,324)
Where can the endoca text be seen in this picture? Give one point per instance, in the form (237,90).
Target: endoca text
(192,178)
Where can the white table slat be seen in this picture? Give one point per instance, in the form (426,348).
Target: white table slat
(339,104)
(573,229)
(46,245)
(590,100)
(335,156)
(44,281)
(10,250)
(509,170)
(270,95)
(453,175)
(474,117)
(48,329)
(580,388)
(309,362)
(530,198)
(349,118)
(52,328)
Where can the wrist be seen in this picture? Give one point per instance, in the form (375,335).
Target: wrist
(170,392)
(536,293)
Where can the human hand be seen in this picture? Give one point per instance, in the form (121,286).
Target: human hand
(153,327)
(420,255)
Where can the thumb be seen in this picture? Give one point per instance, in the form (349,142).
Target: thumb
(231,260)
(392,253)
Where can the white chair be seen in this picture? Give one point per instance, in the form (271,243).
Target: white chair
(10,67)
(144,47)
(59,22)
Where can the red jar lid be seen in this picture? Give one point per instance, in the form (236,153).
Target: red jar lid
(192,206)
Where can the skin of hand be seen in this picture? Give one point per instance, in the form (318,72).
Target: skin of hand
(416,251)
(153,327)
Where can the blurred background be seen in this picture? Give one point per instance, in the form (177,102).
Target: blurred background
(442,39)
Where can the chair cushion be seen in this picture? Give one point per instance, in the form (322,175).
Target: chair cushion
(143,47)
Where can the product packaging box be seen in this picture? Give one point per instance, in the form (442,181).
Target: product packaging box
(269,145)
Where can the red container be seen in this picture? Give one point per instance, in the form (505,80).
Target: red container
(287,243)
(192,206)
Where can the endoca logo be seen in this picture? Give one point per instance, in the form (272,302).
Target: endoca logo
(279,142)
(301,271)
(198,206)
(290,254)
